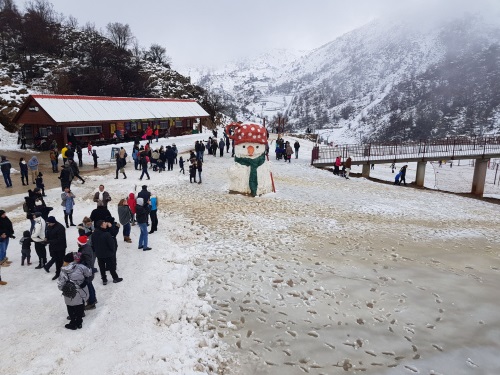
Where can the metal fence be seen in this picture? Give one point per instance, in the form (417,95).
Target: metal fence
(449,149)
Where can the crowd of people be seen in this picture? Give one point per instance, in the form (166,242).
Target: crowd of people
(96,240)
(75,259)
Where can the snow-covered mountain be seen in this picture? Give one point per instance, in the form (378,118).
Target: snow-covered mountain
(392,79)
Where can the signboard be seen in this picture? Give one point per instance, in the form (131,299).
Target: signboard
(114,151)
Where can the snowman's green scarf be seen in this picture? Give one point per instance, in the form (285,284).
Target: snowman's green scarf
(253,164)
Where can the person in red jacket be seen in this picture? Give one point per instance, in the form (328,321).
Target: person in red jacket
(131,204)
(149,134)
(157,134)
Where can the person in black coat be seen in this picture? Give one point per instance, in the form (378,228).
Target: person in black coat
(99,213)
(23,167)
(120,166)
(144,165)
(144,194)
(56,239)
(5,166)
(170,155)
(105,251)
(79,153)
(75,170)
(6,232)
(66,177)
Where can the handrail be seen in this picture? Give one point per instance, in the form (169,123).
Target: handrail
(449,149)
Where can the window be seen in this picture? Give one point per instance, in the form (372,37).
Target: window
(178,123)
(82,131)
(164,125)
(133,126)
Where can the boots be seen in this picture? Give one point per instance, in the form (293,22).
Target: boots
(124,176)
(28,260)
(3,282)
(39,264)
(127,239)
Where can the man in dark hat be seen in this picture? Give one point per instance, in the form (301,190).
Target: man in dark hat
(144,194)
(56,238)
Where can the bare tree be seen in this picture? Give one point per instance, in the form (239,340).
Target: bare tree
(158,54)
(214,104)
(138,52)
(72,22)
(120,34)
(8,5)
(43,9)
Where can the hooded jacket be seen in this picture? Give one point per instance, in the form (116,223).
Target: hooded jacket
(76,273)
(33,163)
(131,202)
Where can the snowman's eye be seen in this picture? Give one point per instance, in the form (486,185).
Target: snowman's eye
(244,146)
(256,146)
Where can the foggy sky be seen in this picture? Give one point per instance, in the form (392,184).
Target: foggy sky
(210,32)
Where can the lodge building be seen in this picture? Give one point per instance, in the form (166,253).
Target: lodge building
(91,118)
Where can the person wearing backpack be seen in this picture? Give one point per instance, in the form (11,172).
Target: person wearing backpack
(87,258)
(74,289)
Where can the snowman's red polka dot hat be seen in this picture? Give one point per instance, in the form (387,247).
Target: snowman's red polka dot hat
(245,133)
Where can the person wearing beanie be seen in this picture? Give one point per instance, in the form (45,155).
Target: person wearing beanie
(26,247)
(87,258)
(142,222)
(125,217)
(105,251)
(76,273)
(6,232)
(56,238)
(38,237)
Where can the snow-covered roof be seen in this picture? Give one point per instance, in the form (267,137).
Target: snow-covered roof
(68,108)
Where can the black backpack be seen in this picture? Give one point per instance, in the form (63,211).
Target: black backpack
(69,289)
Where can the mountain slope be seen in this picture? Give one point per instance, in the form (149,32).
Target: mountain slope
(393,79)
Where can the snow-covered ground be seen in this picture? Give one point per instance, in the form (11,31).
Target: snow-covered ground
(324,276)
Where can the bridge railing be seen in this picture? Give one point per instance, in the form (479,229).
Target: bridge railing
(445,148)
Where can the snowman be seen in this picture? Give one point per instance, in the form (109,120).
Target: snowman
(251,172)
